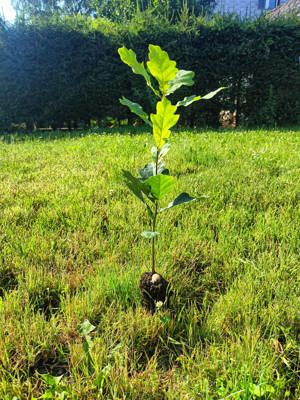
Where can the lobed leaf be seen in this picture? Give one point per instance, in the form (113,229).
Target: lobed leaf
(161,67)
(128,57)
(160,185)
(164,119)
(136,109)
(183,78)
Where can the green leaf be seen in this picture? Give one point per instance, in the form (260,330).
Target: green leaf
(102,377)
(85,328)
(161,67)
(181,199)
(135,185)
(188,100)
(139,189)
(210,95)
(160,185)
(48,394)
(136,109)
(183,78)
(191,99)
(87,345)
(149,212)
(51,380)
(261,390)
(164,119)
(149,234)
(128,57)
(63,395)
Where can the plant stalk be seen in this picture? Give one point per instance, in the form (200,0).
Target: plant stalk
(154,221)
(153,239)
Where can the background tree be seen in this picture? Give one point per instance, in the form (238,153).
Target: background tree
(34,8)
(114,10)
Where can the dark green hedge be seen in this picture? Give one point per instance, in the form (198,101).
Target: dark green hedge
(68,71)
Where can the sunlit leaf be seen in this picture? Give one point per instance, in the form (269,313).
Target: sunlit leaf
(182,78)
(128,57)
(51,380)
(212,94)
(136,109)
(161,67)
(259,391)
(188,100)
(160,185)
(181,199)
(191,99)
(164,119)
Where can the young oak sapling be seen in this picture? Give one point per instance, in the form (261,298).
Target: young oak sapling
(154,182)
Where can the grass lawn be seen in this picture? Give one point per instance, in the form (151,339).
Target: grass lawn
(71,250)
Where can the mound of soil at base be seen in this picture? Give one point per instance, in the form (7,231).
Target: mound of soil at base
(154,288)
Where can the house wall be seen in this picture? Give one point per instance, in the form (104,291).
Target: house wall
(246,8)
(242,7)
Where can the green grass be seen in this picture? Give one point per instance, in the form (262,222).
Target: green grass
(71,250)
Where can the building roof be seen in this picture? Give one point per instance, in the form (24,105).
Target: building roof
(290,7)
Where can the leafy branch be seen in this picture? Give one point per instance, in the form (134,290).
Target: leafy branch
(154,182)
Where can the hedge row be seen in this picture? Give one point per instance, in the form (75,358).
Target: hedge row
(68,71)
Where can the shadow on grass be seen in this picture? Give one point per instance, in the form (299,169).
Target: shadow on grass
(15,137)
(43,135)
(8,281)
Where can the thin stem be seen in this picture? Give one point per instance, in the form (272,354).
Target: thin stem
(153,239)
(155,212)
(154,221)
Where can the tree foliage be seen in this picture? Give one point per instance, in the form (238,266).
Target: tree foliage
(114,10)
(61,71)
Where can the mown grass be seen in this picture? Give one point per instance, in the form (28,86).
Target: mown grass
(71,250)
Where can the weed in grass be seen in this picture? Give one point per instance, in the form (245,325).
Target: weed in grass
(55,389)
